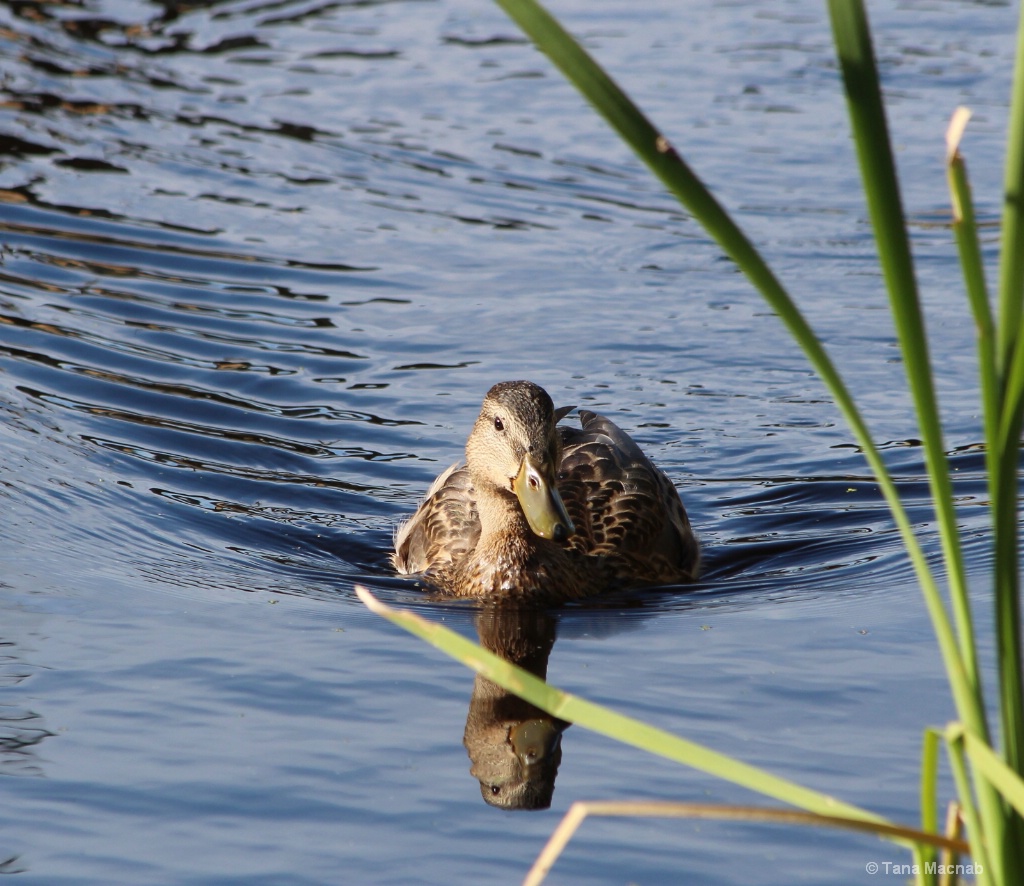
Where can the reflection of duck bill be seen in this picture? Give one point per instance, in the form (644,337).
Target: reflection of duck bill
(545,511)
(519,771)
(534,741)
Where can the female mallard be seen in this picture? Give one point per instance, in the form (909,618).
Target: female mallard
(544,513)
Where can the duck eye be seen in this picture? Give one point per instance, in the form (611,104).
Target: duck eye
(499,425)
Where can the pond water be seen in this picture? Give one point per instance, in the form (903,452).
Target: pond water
(261,260)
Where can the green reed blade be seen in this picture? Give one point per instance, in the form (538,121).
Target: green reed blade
(598,88)
(929,793)
(1011,258)
(988,854)
(965,229)
(1005,460)
(1007,782)
(1002,456)
(640,134)
(881,187)
(1003,464)
(867,116)
(607,722)
(860,77)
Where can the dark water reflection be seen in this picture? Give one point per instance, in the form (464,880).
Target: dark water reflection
(515,748)
(21,730)
(258,264)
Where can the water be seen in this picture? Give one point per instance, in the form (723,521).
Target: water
(259,264)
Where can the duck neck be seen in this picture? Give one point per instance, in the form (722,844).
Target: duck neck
(503,526)
(510,561)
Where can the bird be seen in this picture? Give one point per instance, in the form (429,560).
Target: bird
(546,513)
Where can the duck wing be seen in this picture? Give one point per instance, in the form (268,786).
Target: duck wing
(444,528)
(624,508)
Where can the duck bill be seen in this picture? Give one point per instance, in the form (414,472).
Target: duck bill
(534,742)
(541,503)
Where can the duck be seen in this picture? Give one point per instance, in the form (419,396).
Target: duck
(546,513)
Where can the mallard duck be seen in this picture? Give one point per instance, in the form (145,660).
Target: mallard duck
(544,513)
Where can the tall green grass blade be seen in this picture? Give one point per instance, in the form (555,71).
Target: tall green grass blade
(965,229)
(874,152)
(1004,456)
(637,131)
(1011,259)
(1002,450)
(1003,465)
(987,761)
(987,852)
(598,88)
(870,129)
(881,188)
(606,722)
(1004,461)
(923,855)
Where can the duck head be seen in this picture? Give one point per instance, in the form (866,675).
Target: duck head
(515,449)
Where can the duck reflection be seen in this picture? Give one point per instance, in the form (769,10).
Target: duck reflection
(514,747)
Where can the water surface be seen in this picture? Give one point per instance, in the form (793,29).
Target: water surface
(260,263)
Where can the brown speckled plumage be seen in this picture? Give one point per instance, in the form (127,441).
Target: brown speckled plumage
(471,537)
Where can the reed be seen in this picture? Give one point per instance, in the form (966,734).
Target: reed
(987,773)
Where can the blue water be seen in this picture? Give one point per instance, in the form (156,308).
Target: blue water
(258,265)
